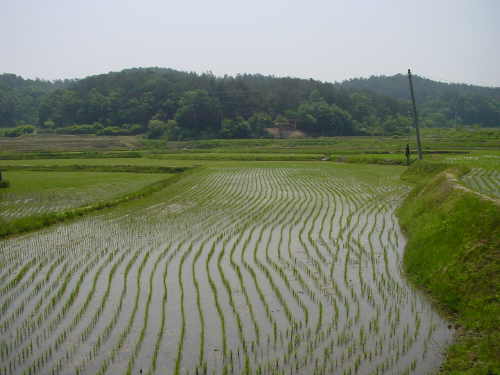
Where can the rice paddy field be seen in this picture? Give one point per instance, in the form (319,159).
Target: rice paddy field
(239,268)
(35,192)
(267,258)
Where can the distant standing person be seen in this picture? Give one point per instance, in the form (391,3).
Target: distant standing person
(407,153)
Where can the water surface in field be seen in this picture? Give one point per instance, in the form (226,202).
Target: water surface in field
(234,270)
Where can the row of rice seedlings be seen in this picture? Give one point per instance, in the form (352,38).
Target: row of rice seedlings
(13,252)
(146,315)
(317,278)
(290,346)
(228,289)
(243,288)
(214,290)
(358,303)
(55,323)
(358,310)
(314,244)
(34,321)
(21,309)
(274,325)
(277,268)
(85,333)
(20,205)
(483,180)
(281,269)
(221,240)
(256,209)
(128,326)
(44,280)
(68,303)
(10,285)
(17,354)
(154,359)
(183,318)
(165,297)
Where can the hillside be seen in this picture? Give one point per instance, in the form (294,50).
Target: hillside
(20,98)
(184,105)
(441,104)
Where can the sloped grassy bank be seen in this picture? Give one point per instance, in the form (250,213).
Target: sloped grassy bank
(453,252)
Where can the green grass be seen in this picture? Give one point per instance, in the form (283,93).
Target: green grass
(68,155)
(453,252)
(257,156)
(96,168)
(433,139)
(109,162)
(388,159)
(25,182)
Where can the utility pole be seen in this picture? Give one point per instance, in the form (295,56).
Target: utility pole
(415,117)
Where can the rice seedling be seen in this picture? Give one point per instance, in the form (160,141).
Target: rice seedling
(265,270)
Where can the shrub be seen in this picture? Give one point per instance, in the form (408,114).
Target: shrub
(20,130)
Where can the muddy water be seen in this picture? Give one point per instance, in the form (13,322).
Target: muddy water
(258,270)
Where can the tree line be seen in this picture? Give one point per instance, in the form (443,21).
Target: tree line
(440,104)
(183,105)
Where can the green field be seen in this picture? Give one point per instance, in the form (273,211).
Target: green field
(266,260)
(32,193)
(255,268)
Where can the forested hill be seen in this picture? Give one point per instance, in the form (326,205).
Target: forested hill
(20,98)
(440,103)
(180,105)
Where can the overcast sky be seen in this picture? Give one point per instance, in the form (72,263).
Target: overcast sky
(331,40)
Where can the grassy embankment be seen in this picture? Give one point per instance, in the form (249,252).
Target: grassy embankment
(34,222)
(453,252)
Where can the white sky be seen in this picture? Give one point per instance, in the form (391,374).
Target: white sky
(331,40)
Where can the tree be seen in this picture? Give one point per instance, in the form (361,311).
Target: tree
(317,117)
(237,128)
(198,115)
(342,122)
(156,128)
(258,124)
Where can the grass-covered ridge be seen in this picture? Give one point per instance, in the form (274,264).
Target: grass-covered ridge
(453,252)
(96,168)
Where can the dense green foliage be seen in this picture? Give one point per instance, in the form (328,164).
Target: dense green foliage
(164,102)
(453,252)
(187,105)
(20,98)
(440,104)
(17,131)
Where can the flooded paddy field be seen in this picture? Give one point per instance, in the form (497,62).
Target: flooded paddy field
(42,192)
(251,270)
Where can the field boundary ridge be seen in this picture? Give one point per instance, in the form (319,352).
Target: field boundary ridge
(453,253)
(96,168)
